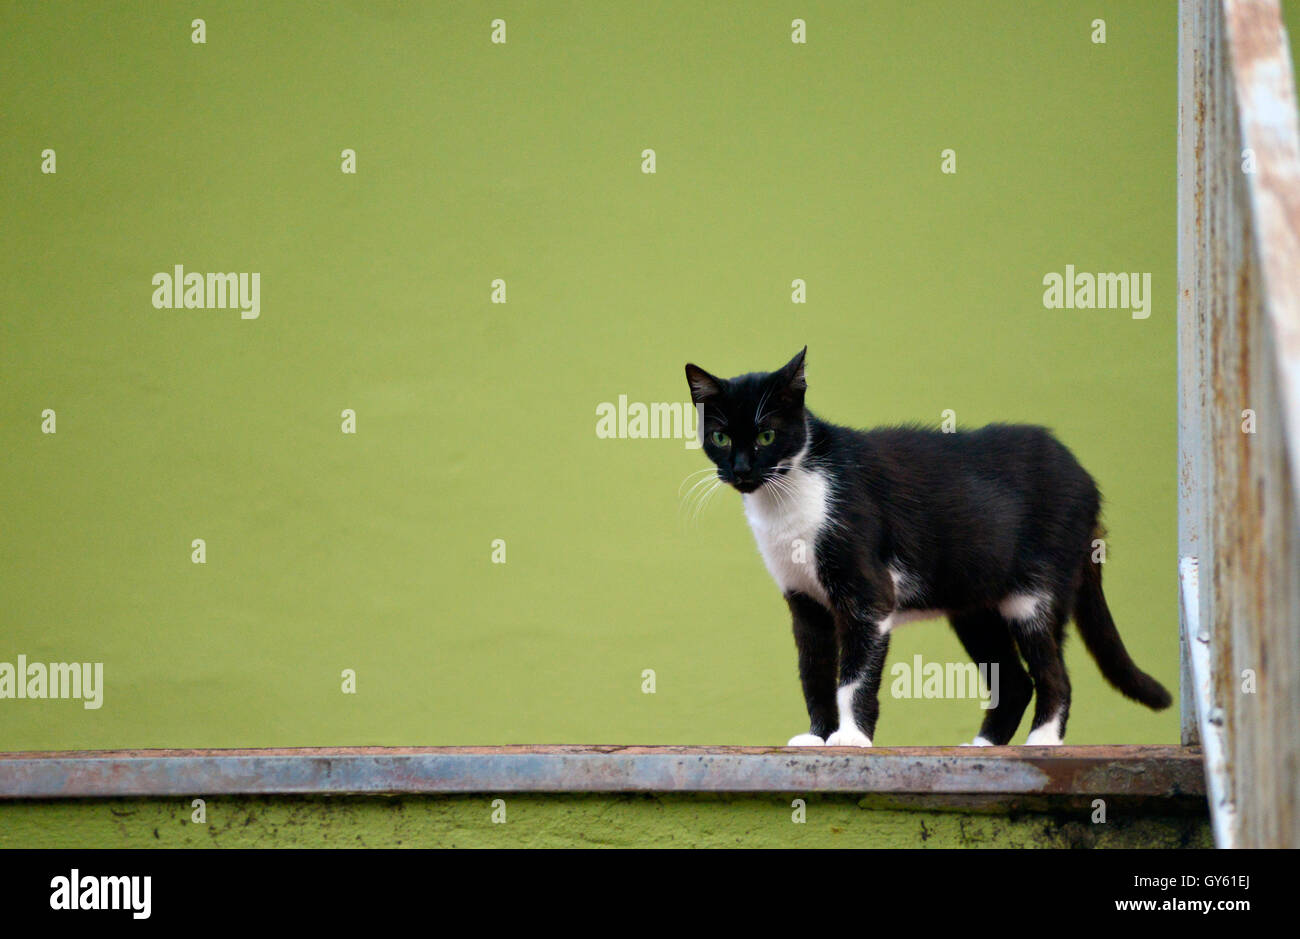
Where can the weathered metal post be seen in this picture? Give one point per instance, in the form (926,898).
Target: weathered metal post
(1239,414)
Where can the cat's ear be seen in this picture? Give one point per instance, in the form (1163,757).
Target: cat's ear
(791,376)
(703,385)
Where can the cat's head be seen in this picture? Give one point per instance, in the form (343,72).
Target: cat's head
(753,426)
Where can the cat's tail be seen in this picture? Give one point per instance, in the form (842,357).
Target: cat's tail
(1097,628)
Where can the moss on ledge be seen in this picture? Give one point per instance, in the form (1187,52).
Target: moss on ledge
(555,821)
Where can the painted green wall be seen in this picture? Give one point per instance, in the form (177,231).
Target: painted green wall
(570,821)
(477,421)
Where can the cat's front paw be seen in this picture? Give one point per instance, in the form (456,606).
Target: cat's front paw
(848,738)
(806,740)
(978,742)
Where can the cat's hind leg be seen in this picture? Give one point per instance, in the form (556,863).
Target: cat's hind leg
(986,637)
(1038,625)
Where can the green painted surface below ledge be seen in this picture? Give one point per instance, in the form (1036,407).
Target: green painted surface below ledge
(576,820)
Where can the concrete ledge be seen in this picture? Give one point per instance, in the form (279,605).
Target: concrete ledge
(1139,771)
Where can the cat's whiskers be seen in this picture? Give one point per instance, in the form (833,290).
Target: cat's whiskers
(704,500)
(695,488)
(781,487)
(701,491)
(773,488)
(699,472)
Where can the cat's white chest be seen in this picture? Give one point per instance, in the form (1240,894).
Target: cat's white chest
(787,517)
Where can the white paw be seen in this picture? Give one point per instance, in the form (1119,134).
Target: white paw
(978,742)
(1046,734)
(1043,737)
(806,740)
(848,738)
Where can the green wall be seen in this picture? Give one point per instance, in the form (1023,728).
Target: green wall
(642,821)
(476,421)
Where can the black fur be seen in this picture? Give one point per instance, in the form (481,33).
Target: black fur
(972,517)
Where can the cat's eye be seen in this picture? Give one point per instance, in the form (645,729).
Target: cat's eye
(720,439)
(766,437)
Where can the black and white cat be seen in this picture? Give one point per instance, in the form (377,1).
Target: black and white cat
(864,531)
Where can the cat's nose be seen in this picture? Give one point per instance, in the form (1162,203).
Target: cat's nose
(740,466)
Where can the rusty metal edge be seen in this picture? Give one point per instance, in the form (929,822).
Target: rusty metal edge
(1192,376)
(1209,716)
(1011,771)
